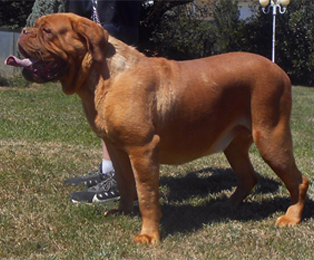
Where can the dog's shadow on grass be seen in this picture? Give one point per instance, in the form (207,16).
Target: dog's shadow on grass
(181,216)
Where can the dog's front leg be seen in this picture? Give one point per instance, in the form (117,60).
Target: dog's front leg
(145,165)
(125,178)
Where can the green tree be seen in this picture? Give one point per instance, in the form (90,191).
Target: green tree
(294,39)
(295,45)
(13,14)
(228,27)
(211,29)
(180,35)
(42,7)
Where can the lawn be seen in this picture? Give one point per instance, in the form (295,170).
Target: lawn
(45,138)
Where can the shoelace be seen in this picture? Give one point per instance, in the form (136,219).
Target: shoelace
(94,172)
(104,185)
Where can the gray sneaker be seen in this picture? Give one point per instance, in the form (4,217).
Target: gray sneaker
(103,192)
(91,179)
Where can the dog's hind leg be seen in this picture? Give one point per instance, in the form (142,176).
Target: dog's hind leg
(272,136)
(238,157)
(275,146)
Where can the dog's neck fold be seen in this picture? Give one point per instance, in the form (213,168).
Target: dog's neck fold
(121,57)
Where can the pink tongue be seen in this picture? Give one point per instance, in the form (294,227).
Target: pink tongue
(16,62)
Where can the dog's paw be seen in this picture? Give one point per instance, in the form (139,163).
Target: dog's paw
(285,221)
(147,239)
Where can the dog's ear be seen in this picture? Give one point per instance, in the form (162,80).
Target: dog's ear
(96,38)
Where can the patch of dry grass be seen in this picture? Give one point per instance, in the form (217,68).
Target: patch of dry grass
(44,139)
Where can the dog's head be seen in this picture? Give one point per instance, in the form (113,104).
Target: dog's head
(56,47)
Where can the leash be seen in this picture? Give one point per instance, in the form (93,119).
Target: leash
(95,16)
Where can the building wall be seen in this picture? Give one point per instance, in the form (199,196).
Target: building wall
(8,46)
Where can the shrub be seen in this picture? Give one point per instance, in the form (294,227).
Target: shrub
(294,39)
(181,35)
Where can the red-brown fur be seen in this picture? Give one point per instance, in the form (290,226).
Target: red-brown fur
(151,111)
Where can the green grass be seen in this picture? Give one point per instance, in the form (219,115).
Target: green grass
(45,138)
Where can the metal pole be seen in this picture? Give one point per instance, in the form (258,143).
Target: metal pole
(282,9)
(274,33)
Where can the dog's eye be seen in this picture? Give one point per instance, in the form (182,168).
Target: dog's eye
(47,30)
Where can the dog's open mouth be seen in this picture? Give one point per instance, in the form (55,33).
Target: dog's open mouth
(38,70)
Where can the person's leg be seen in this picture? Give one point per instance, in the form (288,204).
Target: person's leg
(101,183)
(96,176)
(106,164)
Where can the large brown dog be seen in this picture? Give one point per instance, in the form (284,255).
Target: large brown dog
(152,110)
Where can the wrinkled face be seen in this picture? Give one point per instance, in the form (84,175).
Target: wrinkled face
(55,47)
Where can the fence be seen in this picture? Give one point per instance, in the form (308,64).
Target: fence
(8,46)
